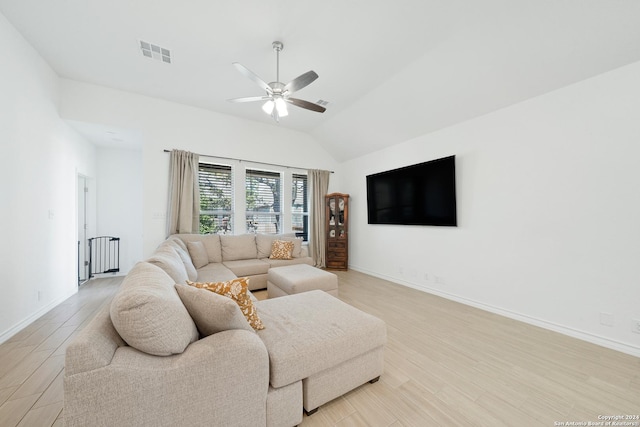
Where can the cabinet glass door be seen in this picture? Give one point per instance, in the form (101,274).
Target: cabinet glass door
(340,230)
(331,208)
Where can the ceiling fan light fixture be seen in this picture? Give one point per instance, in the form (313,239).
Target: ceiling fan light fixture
(268,107)
(281,107)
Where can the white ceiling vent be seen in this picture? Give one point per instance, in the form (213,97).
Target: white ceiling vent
(155,52)
(322,102)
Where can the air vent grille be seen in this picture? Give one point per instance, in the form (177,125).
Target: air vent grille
(322,102)
(153,51)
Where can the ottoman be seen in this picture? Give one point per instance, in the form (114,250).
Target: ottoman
(294,279)
(328,344)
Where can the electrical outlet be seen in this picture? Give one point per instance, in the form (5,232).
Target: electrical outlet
(439,280)
(635,326)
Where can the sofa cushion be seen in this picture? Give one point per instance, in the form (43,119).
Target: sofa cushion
(265,241)
(180,248)
(293,261)
(215,272)
(247,267)
(148,313)
(211,243)
(238,247)
(168,259)
(281,249)
(198,254)
(213,246)
(211,312)
(178,242)
(237,290)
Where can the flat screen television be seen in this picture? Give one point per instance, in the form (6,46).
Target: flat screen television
(422,194)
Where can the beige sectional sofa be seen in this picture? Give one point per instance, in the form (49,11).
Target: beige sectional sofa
(147,358)
(215,257)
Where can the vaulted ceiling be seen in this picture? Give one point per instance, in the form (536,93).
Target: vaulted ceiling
(389,70)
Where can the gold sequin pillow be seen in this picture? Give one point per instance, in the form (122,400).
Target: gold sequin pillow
(237,290)
(281,249)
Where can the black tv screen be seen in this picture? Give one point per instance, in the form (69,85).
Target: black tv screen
(422,194)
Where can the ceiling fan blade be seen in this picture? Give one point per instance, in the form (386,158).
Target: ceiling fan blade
(252,76)
(301,81)
(249,99)
(306,104)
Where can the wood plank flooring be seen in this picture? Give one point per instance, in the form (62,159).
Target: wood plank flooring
(32,361)
(446,364)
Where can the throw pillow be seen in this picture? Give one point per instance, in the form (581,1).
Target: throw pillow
(281,249)
(198,254)
(264,242)
(148,314)
(237,290)
(211,312)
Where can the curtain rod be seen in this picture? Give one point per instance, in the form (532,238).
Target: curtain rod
(242,160)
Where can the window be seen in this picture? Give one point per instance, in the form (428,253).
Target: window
(216,199)
(300,206)
(237,198)
(264,201)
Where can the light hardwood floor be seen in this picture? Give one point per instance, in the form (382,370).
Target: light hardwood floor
(446,364)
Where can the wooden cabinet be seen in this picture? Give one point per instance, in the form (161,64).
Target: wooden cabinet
(337,229)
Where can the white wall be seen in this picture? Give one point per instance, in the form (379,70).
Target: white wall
(548,212)
(39,162)
(166,125)
(120,201)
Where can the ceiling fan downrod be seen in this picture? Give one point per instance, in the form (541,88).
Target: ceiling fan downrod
(277,46)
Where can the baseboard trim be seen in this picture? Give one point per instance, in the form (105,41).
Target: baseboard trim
(574,333)
(6,335)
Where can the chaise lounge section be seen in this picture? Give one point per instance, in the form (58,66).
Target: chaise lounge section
(164,353)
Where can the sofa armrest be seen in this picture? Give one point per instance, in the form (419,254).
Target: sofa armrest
(222,379)
(94,346)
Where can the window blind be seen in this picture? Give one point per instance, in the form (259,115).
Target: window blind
(264,201)
(300,206)
(216,198)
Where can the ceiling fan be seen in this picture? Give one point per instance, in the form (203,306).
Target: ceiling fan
(279,94)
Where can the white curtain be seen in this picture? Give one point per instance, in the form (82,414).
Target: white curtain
(319,186)
(184,194)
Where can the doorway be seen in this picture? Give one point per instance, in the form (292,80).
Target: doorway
(86,224)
